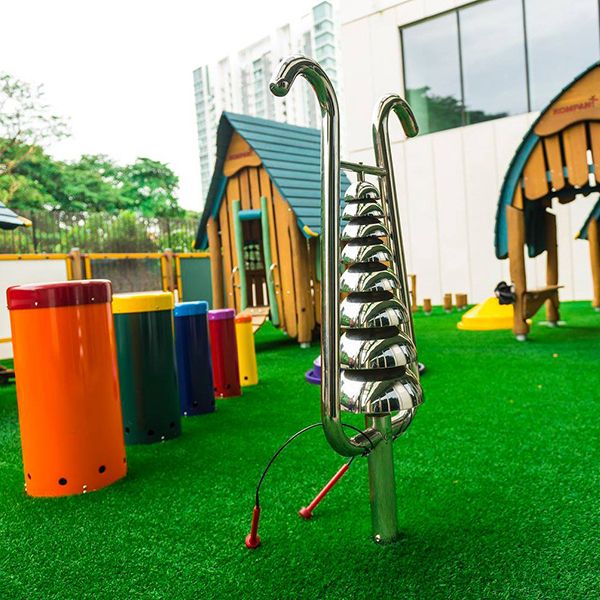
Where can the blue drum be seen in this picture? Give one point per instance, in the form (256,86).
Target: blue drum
(194,369)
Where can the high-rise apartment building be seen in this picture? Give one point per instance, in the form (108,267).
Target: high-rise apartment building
(240,82)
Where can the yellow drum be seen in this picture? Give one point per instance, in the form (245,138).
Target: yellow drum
(246,352)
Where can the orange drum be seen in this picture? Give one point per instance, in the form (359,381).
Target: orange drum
(67,386)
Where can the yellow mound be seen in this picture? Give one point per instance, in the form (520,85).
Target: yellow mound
(487,316)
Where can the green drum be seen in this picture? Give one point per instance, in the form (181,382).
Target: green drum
(147,376)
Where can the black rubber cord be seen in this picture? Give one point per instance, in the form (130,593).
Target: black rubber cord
(289,441)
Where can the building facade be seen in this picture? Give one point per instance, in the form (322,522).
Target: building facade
(240,82)
(476,74)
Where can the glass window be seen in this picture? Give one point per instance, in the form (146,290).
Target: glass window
(322,11)
(432,72)
(493,60)
(562,40)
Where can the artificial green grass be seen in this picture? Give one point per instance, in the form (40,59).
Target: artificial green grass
(497,482)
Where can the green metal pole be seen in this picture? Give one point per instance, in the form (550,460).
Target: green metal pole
(264,221)
(382,484)
(239,248)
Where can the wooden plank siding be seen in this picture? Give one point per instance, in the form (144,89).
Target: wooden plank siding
(281,208)
(575,145)
(304,306)
(595,147)
(313,249)
(534,174)
(265,190)
(555,163)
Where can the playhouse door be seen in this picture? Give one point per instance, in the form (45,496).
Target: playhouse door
(256,282)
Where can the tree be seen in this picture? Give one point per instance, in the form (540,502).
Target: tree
(151,186)
(92,184)
(26,122)
(31,179)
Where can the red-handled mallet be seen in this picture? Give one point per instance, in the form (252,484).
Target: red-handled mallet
(306,512)
(252,539)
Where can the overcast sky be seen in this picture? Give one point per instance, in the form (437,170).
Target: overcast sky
(121,70)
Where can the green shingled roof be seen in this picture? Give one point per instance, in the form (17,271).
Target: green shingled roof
(291,156)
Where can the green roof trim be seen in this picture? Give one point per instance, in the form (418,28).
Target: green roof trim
(290,154)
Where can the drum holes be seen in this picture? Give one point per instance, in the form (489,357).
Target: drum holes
(228,386)
(62,481)
(245,377)
(127,430)
(28,475)
(150,432)
(101,469)
(172,424)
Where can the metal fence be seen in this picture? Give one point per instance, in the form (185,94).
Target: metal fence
(57,231)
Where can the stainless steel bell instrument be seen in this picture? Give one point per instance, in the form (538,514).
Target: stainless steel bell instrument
(368,355)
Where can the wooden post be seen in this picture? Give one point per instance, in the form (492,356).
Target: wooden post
(552,315)
(76,263)
(216,263)
(169,273)
(448,302)
(427,306)
(460,301)
(413,293)
(516,255)
(594,242)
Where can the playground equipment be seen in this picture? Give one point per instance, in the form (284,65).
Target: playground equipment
(223,347)
(487,316)
(244,336)
(558,159)
(192,350)
(67,388)
(368,356)
(145,352)
(262,221)
(314,375)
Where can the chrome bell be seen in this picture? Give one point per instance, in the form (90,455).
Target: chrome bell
(366,393)
(372,310)
(381,348)
(361,190)
(368,277)
(365,250)
(361,227)
(361,209)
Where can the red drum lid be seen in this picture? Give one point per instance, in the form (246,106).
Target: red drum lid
(60,293)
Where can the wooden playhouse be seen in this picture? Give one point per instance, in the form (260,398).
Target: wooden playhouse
(558,160)
(262,220)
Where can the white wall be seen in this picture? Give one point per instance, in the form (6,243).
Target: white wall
(19,272)
(448,182)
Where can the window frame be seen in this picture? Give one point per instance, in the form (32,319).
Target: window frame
(456,11)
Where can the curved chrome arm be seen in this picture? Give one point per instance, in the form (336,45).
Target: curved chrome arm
(280,85)
(383,157)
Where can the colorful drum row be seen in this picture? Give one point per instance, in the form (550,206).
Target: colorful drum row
(95,372)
